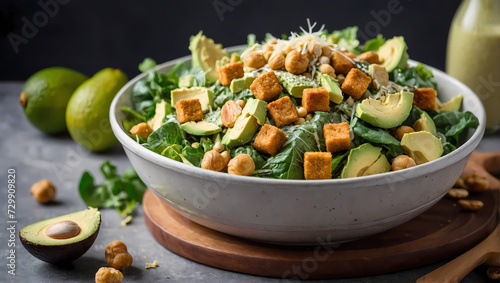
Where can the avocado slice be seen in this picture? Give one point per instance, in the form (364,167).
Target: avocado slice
(205,95)
(240,84)
(388,114)
(422,146)
(393,54)
(201,128)
(379,75)
(425,123)
(161,111)
(243,131)
(186,81)
(365,160)
(295,84)
(452,105)
(205,53)
(332,85)
(63,238)
(257,108)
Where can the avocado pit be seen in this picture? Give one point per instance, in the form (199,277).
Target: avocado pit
(63,230)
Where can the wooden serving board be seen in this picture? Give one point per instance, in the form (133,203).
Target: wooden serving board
(443,231)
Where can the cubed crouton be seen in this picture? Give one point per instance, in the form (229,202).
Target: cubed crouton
(266,86)
(188,110)
(425,98)
(356,83)
(269,139)
(317,165)
(337,137)
(282,111)
(316,99)
(370,57)
(229,72)
(341,64)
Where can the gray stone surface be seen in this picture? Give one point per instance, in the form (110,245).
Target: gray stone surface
(35,155)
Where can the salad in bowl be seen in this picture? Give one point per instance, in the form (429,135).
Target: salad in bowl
(311,105)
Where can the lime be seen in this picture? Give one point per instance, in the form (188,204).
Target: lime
(45,96)
(87,114)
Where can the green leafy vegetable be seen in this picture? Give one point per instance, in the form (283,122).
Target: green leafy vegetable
(223,94)
(451,124)
(338,161)
(120,192)
(256,156)
(168,134)
(251,39)
(346,38)
(374,43)
(147,65)
(414,77)
(378,136)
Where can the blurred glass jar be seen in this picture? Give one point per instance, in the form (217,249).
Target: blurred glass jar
(473,54)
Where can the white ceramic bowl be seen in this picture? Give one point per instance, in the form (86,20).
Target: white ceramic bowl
(299,211)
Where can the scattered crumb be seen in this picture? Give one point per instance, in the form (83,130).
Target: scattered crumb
(152,265)
(126,220)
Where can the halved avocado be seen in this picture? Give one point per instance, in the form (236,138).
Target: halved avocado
(201,128)
(205,54)
(425,123)
(451,105)
(393,54)
(388,114)
(365,160)
(422,146)
(63,238)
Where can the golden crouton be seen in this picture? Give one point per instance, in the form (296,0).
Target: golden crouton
(370,57)
(341,64)
(141,129)
(229,72)
(282,111)
(337,137)
(355,84)
(316,99)
(188,110)
(266,86)
(317,165)
(424,98)
(269,139)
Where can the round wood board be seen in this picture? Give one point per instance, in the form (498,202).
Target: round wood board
(445,230)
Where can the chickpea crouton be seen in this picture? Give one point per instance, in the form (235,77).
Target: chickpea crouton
(341,64)
(188,110)
(141,129)
(317,165)
(316,99)
(370,57)
(337,137)
(269,139)
(356,83)
(282,111)
(266,86)
(425,98)
(229,72)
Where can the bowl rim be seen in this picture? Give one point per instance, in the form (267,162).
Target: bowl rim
(461,152)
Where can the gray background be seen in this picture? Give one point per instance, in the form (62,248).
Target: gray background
(91,35)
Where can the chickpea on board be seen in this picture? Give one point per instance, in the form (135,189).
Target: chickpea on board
(43,191)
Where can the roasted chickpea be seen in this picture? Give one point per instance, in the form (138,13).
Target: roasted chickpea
(218,147)
(242,164)
(350,101)
(309,117)
(299,121)
(277,61)
(296,63)
(267,55)
(327,69)
(229,112)
(241,103)
(341,79)
(254,60)
(301,112)
(314,49)
(400,131)
(403,162)
(108,275)
(476,183)
(326,50)
(117,255)
(324,60)
(141,129)
(215,161)
(43,191)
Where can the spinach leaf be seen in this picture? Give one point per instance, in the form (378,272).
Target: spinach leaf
(447,146)
(378,136)
(374,43)
(288,163)
(451,124)
(250,150)
(414,77)
(181,70)
(346,38)
(214,117)
(415,114)
(194,155)
(122,193)
(338,161)
(222,94)
(168,134)
(173,152)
